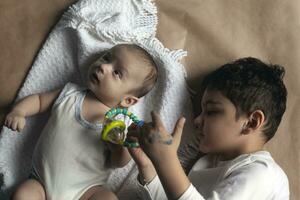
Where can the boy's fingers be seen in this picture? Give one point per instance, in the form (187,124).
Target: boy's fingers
(131,139)
(178,129)
(133,126)
(133,150)
(133,133)
(156,120)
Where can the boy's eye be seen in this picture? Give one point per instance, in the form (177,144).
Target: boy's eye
(212,112)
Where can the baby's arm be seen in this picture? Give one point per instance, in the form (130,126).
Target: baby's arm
(31,105)
(119,155)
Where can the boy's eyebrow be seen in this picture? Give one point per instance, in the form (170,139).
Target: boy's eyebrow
(212,102)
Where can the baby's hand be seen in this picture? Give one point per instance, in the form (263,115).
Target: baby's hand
(15,121)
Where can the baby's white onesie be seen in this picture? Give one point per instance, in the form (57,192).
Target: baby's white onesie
(70,156)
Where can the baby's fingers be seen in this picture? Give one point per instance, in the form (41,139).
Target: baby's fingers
(14,125)
(8,122)
(21,125)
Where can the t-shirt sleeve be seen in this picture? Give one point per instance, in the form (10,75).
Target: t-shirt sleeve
(68,89)
(254,181)
(155,191)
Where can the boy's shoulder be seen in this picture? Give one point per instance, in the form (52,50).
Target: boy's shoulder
(259,167)
(259,162)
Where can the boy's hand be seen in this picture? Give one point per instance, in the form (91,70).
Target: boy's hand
(146,169)
(140,158)
(161,147)
(15,121)
(154,139)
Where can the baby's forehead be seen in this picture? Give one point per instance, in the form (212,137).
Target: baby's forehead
(129,57)
(123,52)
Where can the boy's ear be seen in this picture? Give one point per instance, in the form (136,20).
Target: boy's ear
(129,101)
(255,122)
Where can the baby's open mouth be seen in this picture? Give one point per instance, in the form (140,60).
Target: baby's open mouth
(94,77)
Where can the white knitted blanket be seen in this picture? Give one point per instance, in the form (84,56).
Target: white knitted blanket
(88,27)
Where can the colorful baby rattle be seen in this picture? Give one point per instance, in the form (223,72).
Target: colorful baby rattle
(114,130)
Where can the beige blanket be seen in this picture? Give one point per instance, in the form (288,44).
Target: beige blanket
(213,32)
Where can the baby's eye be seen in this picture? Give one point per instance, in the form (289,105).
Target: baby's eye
(117,73)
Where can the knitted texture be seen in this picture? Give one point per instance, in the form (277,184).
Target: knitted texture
(87,28)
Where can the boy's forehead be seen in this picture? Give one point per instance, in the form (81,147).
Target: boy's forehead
(213,97)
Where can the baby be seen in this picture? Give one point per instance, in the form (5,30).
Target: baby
(70,161)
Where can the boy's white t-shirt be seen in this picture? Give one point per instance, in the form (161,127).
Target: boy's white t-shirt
(70,156)
(253,176)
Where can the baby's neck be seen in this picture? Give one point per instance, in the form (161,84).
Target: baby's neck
(93,110)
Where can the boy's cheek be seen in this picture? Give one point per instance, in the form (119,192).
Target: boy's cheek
(204,148)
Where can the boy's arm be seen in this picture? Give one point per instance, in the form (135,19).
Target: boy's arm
(161,147)
(119,155)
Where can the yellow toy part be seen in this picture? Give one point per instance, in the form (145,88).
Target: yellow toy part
(114,132)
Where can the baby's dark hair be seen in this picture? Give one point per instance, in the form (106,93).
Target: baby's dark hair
(252,85)
(147,61)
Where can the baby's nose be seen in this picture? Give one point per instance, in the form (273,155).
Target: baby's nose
(104,68)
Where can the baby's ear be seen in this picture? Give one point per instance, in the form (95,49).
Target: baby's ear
(129,101)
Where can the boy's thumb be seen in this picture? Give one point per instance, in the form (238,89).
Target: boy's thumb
(178,128)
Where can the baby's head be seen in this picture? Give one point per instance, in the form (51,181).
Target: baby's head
(241,100)
(122,75)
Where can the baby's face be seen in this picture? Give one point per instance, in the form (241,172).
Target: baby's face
(217,126)
(115,75)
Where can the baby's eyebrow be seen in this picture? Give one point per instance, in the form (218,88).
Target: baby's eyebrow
(121,65)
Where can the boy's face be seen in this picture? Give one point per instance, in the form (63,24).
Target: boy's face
(115,75)
(218,128)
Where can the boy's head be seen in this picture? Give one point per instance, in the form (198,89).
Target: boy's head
(121,75)
(253,90)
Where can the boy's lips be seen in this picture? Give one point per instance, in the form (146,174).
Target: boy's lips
(201,134)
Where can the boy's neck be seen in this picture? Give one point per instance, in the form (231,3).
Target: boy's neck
(246,148)
(93,110)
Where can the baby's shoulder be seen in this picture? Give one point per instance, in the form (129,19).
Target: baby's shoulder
(69,90)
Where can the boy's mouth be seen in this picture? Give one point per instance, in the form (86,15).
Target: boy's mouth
(201,134)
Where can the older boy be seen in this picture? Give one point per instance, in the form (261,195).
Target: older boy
(242,106)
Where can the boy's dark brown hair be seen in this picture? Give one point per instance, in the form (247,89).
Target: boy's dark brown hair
(252,85)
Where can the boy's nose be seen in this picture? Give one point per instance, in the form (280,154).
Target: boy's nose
(198,122)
